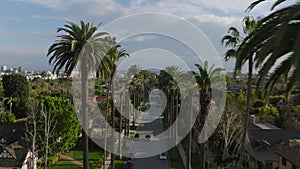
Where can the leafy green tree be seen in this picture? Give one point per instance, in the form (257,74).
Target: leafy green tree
(67,126)
(16,88)
(53,123)
(81,46)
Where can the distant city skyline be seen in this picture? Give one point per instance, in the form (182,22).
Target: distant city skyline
(28,27)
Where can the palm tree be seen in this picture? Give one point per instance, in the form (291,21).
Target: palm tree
(114,54)
(173,86)
(276,40)
(10,101)
(203,79)
(233,40)
(133,70)
(80,46)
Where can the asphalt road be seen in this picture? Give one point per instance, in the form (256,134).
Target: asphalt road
(151,124)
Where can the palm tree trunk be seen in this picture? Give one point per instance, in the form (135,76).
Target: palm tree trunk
(189,149)
(204,108)
(105,138)
(112,162)
(134,109)
(246,116)
(120,124)
(85,139)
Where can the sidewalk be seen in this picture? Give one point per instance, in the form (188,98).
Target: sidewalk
(68,158)
(107,162)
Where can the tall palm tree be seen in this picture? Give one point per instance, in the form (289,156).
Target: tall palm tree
(234,40)
(82,46)
(114,54)
(173,86)
(276,40)
(204,77)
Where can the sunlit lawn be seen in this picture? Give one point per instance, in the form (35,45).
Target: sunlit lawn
(95,157)
(66,164)
(77,155)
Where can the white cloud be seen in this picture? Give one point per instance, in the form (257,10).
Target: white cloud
(225,5)
(212,18)
(45,3)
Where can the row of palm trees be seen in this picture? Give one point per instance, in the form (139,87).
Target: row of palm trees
(172,80)
(267,40)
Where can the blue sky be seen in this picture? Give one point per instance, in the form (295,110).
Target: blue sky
(28,27)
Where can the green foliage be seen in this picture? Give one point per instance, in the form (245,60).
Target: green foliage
(7,118)
(66,126)
(52,160)
(268,112)
(98,88)
(103,104)
(17,86)
(289,117)
(1,91)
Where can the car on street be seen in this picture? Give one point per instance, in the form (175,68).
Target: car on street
(147,137)
(128,163)
(163,156)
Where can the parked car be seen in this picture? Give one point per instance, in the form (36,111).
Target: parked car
(147,137)
(163,156)
(137,135)
(128,164)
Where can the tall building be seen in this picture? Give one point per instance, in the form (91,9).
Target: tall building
(3,68)
(20,69)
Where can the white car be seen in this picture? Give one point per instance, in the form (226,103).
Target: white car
(163,156)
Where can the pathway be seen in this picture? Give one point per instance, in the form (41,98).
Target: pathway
(68,158)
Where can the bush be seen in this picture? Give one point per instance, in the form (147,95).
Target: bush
(52,160)
(7,118)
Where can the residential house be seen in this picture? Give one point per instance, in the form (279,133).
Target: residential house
(289,155)
(14,149)
(266,139)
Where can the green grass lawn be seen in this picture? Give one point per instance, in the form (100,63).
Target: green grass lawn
(95,157)
(133,127)
(119,164)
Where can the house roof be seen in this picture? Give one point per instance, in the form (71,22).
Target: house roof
(12,133)
(18,151)
(290,153)
(13,143)
(265,143)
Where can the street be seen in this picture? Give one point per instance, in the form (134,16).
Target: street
(151,124)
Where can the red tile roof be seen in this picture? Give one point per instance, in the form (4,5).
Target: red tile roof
(291,153)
